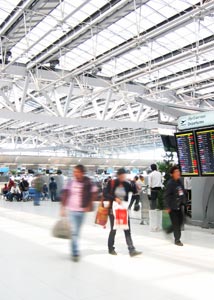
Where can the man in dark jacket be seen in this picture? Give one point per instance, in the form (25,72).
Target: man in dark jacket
(118,190)
(175,198)
(53,189)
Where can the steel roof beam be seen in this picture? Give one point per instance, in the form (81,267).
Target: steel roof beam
(82,122)
(171,109)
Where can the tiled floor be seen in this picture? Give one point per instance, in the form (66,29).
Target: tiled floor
(36,266)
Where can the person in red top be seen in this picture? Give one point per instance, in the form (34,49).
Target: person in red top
(5,189)
(10,184)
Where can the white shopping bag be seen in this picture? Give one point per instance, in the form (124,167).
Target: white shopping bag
(155,220)
(120,212)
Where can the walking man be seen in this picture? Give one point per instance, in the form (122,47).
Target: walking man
(77,197)
(175,198)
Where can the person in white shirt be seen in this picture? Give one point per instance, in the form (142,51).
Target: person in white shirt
(155,185)
(188,187)
(15,192)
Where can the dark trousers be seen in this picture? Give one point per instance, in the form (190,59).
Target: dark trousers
(136,199)
(154,197)
(112,234)
(176,217)
(53,195)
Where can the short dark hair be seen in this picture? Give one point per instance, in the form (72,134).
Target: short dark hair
(59,172)
(80,168)
(52,179)
(173,169)
(136,177)
(154,167)
(121,171)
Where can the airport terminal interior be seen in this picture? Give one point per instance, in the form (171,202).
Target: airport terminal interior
(106,128)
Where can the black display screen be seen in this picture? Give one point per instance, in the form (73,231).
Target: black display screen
(205,142)
(187,155)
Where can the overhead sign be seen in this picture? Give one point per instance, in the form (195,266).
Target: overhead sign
(196,120)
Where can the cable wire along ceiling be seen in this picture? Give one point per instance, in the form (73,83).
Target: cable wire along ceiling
(98,76)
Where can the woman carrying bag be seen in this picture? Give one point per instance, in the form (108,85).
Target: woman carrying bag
(118,190)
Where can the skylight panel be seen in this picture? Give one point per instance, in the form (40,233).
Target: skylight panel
(6,8)
(207,90)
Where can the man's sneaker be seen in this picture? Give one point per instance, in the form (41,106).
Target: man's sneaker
(178,243)
(135,253)
(75,258)
(112,252)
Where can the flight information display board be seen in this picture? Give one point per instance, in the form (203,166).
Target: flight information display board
(205,142)
(187,156)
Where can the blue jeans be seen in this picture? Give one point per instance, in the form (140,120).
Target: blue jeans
(25,195)
(76,218)
(36,197)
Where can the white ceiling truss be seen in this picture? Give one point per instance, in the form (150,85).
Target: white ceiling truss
(98,76)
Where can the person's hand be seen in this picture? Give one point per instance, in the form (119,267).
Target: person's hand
(168,210)
(118,200)
(63,212)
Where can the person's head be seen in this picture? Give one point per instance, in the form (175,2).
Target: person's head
(52,179)
(141,178)
(121,175)
(154,167)
(59,172)
(136,178)
(79,172)
(5,185)
(175,172)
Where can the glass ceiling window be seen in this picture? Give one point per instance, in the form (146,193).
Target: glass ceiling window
(132,25)
(6,8)
(192,80)
(66,16)
(177,67)
(168,43)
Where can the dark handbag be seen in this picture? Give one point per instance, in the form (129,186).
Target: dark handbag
(137,207)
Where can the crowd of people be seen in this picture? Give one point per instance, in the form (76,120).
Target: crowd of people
(80,192)
(35,189)
(78,195)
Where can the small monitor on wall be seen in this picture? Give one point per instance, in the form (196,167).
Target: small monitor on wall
(187,153)
(169,143)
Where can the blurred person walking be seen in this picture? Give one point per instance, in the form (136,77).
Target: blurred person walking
(37,185)
(175,198)
(118,190)
(77,198)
